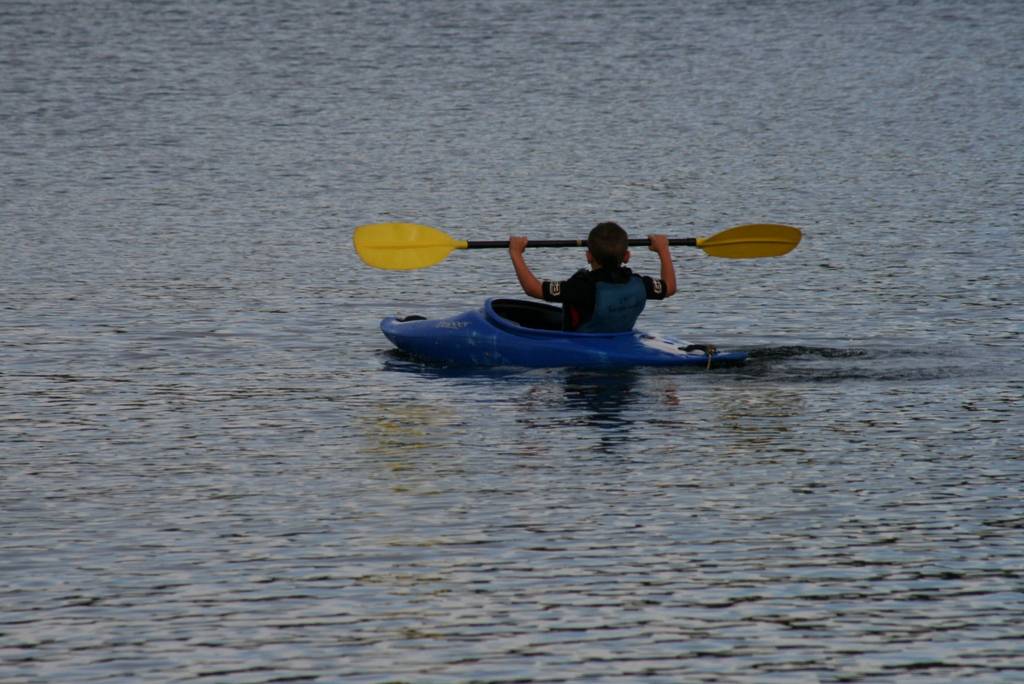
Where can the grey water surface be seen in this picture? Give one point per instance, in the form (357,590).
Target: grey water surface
(213,467)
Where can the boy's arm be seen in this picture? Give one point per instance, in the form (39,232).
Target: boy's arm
(659,244)
(529,282)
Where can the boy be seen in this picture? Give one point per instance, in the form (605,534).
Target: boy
(609,297)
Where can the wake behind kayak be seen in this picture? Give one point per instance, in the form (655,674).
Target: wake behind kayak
(512,332)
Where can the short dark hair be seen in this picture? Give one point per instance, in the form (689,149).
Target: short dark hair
(608,243)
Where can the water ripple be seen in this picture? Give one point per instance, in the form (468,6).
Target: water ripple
(214,469)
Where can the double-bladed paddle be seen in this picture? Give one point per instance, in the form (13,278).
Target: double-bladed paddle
(407,246)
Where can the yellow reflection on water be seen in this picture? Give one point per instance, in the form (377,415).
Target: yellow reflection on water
(404,428)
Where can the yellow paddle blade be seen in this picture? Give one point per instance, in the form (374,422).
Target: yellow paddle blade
(751,241)
(403,246)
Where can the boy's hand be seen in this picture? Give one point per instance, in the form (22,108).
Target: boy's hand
(659,243)
(516,244)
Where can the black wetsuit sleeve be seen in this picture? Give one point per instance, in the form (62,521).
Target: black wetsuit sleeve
(655,287)
(576,295)
(551,290)
(577,290)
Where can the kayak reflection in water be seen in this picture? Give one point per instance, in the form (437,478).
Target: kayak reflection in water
(607,298)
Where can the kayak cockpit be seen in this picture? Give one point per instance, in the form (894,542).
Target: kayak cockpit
(538,319)
(533,315)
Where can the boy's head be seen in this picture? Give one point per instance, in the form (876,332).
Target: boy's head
(608,245)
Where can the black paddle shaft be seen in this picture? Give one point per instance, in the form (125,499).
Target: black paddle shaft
(636,242)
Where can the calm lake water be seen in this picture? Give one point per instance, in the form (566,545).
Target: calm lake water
(213,468)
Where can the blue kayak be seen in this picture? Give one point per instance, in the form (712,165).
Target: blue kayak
(512,332)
